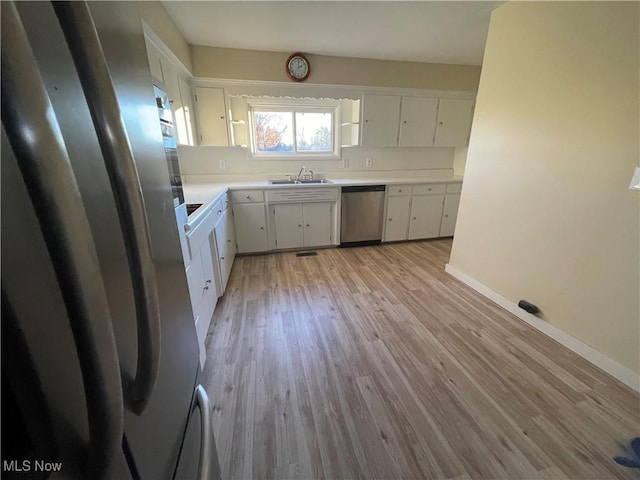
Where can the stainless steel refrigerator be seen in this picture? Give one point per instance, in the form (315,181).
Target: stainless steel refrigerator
(100,372)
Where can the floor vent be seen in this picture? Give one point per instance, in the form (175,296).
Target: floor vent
(306,254)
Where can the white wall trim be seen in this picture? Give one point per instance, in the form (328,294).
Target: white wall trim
(273,88)
(620,372)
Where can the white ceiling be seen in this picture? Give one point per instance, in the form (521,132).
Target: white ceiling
(421,31)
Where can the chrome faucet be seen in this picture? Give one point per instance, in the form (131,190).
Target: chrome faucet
(303,169)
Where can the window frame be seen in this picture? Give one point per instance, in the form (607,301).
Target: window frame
(295,106)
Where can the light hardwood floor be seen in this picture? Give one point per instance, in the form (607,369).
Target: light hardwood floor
(372,362)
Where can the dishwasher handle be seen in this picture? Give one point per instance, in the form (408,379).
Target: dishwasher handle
(364,188)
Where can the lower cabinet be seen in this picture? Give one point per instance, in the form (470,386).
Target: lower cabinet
(302,224)
(397,220)
(426,213)
(202,290)
(225,241)
(251,227)
(450,214)
(421,211)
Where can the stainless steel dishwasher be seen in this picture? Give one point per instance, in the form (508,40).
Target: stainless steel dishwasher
(362,215)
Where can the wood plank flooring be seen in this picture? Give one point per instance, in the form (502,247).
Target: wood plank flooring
(373,363)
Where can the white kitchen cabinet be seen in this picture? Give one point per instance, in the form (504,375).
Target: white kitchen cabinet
(397,219)
(211,117)
(407,121)
(449,214)
(381,116)
(202,291)
(155,66)
(188,137)
(418,121)
(302,224)
(454,122)
(426,216)
(165,74)
(289,225)
(251,227)
(224,236)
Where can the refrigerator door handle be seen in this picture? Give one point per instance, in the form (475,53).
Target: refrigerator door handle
(205,465)
(91,65)
(37,143)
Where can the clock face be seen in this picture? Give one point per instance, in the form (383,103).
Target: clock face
(298,67)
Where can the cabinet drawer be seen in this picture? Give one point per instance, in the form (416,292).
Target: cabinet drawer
(399,190)
(303,195)
(454,188)
(247,196)
(429,189)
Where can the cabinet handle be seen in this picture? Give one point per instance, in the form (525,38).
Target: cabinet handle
(248,197)
(390,219)
(261,228)
(400,190)
(414,218)
(441,123)
(219,211)
(307,224)
(221,117)
(299,225)
(404,121)
(446,216)
(428,189)
(208,282)
(206,288)
(221,258)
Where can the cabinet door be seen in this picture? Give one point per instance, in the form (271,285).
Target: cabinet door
(220,238)
(210,283)
(289,225)
(251,227)
(187,107)
(317,224)
(195,282)
(454,122)
(153,54)
(175,100)
(426,215)
(449,215)
(381,117)
(231,236)
(418,121)
(211,116)
(397,222)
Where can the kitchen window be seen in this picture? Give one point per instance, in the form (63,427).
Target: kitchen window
(295,129)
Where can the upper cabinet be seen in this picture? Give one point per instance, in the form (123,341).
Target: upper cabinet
(417,121)
(454,122)
(406,121)
(380,115)
(212,117)
(165,73)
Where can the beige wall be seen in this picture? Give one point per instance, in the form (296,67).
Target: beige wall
(546,214)
(229,63)
(155,15)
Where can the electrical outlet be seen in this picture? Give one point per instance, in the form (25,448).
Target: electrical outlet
(222,164)
(368,163)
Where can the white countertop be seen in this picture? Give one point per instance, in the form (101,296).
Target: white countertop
(207,192)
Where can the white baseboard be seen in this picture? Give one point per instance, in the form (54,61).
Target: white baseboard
(622,373)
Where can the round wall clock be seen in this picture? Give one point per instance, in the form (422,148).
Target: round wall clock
(297,67)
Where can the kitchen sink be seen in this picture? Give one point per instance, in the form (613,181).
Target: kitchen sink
(299,182)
